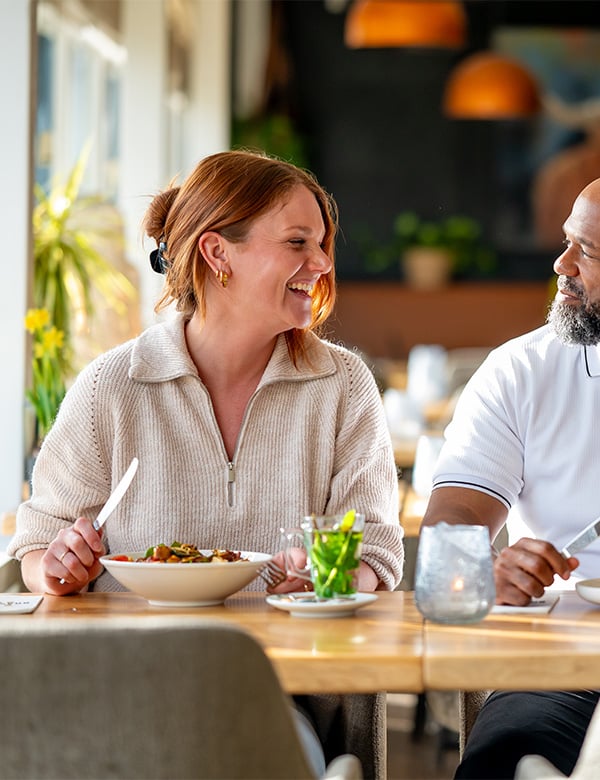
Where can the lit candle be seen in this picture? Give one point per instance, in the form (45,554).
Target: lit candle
(458,584)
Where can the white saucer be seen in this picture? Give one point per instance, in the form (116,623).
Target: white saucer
(306,605)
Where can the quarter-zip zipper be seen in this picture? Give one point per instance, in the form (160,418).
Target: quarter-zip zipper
(231,463)
(230,475)
(230,482)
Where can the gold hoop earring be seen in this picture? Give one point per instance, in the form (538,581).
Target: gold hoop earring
(222,277)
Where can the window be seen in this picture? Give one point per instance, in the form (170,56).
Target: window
(79,77)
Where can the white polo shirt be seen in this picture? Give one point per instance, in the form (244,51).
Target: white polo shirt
(526,430)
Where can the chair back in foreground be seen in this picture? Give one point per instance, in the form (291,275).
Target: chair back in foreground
(587,766)
(116,699)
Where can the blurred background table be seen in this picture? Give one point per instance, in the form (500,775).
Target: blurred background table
(411,514)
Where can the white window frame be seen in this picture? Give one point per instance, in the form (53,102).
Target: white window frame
(106,57)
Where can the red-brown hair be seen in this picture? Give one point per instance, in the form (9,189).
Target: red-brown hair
(227,192)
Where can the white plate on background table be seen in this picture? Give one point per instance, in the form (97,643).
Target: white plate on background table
(307,605)
(589,590)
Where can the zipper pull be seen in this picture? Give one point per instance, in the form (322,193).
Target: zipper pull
(230,482)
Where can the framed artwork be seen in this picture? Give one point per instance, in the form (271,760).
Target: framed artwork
(545,165)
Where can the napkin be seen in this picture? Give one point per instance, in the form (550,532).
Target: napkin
(538,606)
(15,604)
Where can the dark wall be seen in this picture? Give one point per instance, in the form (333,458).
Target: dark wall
(377,140)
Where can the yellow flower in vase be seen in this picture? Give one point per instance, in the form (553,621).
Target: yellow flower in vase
(36,320)
(48,387)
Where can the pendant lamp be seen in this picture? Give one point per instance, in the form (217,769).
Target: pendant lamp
(388,23)
(488,85)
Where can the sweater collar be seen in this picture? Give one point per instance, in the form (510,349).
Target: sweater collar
(160,354)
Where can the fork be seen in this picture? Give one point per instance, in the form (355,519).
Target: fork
(272,574)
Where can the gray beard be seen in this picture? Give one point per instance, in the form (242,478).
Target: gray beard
(576,325)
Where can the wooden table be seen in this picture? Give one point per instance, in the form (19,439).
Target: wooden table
(379,648)
(385,646)
(559,650)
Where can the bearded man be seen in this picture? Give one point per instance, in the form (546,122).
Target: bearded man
(525,437)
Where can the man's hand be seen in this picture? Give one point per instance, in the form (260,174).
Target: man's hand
(524,569)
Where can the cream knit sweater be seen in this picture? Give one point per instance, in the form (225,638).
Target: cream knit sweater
(313,439)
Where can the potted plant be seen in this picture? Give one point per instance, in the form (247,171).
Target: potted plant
(68,268)
(72,236)
(433,251)
(273,133)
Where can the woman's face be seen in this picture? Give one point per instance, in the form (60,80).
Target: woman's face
(274,271)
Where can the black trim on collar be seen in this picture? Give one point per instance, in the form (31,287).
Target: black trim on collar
(587,365)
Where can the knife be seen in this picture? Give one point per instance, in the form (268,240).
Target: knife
(589,534)
(116,495)
(113,499)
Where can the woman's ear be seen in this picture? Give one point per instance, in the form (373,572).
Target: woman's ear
(213,249)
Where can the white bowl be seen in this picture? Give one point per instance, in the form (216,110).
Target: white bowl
(185,584)
(589,590)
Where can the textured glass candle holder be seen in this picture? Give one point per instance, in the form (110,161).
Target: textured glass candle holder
(454,579)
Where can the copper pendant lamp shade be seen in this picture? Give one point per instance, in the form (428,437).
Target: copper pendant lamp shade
(387,23)
(488,85)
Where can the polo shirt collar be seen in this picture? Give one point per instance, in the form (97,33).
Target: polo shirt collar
(592,360)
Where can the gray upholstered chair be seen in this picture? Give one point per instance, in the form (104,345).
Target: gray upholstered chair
(118,699)
(469,704)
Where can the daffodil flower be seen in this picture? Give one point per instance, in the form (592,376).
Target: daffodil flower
(48,387)
(36,319)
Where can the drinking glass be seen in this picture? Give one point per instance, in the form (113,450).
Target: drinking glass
(333,545)
(454,579)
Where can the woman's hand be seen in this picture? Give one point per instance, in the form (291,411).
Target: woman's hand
(524,569)
(71,561)
(293,583)
(367,579)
